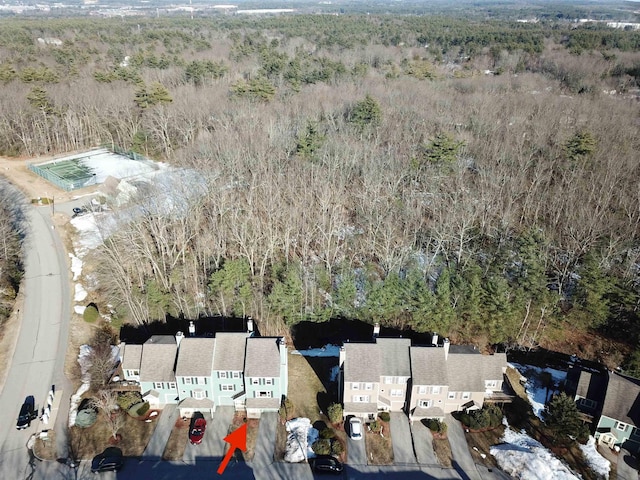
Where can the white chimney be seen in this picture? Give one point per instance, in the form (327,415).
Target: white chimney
(376,330)
(179,337)
(434,339)
(192,329)
(342,356)
(249,325)
(445,344)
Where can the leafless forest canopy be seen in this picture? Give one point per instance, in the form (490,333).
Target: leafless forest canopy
(427,173)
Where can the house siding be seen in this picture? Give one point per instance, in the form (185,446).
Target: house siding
(387,399)
(225,397)
(629,438)
(166,394)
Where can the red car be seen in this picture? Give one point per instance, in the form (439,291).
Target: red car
(197,428)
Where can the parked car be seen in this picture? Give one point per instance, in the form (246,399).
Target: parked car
(109,460)
(327,464)
(27,413)
(197,428)
(355,428)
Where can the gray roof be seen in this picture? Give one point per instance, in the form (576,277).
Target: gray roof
(394,356)
(195,357)
(158,359)
(263,357)
(362,362)
(592,386)
(131,356)
(229,351)
(622,400)
(467,372)
(428,366)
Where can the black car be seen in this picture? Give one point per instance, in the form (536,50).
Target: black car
(27,413)
(327,464)
(109,460)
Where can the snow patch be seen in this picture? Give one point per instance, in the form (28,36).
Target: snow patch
(597,462)
(333,375)
(536,391)
(76,266)
(299,440)
(326,351)
(524,458)
(80,294)
(79,309)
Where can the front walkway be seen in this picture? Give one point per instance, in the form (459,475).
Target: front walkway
(155,447)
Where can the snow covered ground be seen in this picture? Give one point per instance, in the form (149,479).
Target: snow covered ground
(536,391)
(597,462)
(524,458)
(299,440)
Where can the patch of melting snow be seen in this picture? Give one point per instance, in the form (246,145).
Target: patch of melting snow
(597,462)
(536,391)
(80,293)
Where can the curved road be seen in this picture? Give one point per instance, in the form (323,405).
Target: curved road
(38,360)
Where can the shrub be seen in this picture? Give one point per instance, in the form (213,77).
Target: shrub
(139,409)
(86,417)
(487,417)
(375,427)
(90,314)
(335,413)
(143,409)
(436,425)
(384,416)
(128,399)
(321,447)
(327,433)
(337,448)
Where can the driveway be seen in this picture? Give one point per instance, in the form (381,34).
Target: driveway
(423,443)
(356,451)
(462,459)
(266,440)
(213,444)
(403,453)
(166,422)
(625,466)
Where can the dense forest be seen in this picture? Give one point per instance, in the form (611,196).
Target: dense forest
(474,178)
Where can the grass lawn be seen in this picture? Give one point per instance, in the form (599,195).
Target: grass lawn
(88,442)
(379,448)
(442,449)
(252,432)
(177,443)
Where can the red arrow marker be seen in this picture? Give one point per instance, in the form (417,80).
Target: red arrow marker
(236,439)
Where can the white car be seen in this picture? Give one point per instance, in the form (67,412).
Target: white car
(355,428)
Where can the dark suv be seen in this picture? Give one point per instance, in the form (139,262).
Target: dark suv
(327,464)
(27,413)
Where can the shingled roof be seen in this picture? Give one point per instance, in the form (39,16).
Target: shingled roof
(195,357)
(263,357)
(467,371)
(362,362)
(229,351)
(394,356)
(131,356)
(158,359)
(428,366)
(622,400)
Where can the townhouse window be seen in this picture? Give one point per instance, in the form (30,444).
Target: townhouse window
(227,388)
(133,373)
(361,399)
(396,392)
(621,426)
(222,374)
(422,389)
(172,385)
(436,390)
(451,396)
(199,394)
(355,386)
(158,385)
(266,394)
(491,384)
(255,381)
(368,386)
(466,395)
(236,375)
(186,380)
(588,403)
(425,403)
(388,380)
(268,381)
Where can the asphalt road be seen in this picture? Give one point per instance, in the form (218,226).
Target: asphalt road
(38,360)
